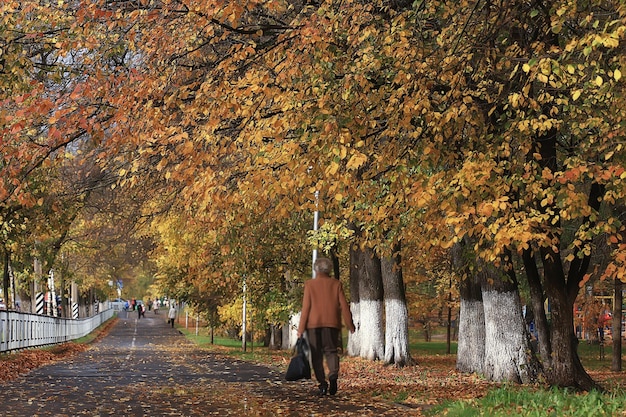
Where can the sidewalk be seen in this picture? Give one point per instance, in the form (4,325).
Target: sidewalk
(146,368)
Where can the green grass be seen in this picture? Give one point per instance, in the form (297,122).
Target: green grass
(528,402)
(591,358)
(431,348)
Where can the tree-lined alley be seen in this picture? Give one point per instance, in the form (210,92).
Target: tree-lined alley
(485,133)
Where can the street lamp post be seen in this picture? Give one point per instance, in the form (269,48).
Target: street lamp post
(315,221)
(244,318)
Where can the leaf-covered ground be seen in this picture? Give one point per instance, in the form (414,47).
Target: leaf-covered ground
(12,365)
(432,380)
(387,389)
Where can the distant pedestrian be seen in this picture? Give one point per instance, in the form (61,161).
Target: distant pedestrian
(156,306)
(603,320)
(323,306)
(138,311)
(172,314)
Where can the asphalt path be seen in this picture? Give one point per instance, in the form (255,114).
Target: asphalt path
(143,367)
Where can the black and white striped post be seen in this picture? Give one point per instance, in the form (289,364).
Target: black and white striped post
(39,303)
(74,297)
(37,297)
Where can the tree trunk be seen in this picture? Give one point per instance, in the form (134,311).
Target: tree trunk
(539,312)
(508,356)
(566,369)
(396,311)
(371,306)
(371,338)
(354,345)
(5,277)
(470,356)
(616,326)
(335,259)
(64,309)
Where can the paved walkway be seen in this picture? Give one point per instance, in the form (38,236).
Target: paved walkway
(146,368)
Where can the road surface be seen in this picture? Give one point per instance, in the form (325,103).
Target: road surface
(143,367)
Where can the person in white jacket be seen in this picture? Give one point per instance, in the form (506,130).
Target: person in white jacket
(171,315)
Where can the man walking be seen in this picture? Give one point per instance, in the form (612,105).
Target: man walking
(323,305)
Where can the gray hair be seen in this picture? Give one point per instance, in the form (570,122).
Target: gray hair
(323,265)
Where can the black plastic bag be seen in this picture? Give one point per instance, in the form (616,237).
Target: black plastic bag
(299,367)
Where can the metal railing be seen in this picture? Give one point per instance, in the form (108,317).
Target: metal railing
(25,330)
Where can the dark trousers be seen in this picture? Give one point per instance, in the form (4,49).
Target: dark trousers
(324,342)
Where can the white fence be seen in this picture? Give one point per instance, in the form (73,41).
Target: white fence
(24,330)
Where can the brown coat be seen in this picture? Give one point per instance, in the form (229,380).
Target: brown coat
(324,304)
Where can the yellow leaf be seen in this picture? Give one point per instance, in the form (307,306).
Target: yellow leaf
(356,161)
(576,94)
(338,196)
(526,67)
(332,168)
(599,81)
(617,74)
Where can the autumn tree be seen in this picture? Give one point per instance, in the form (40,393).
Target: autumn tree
(540,80)
(231,114)
(35,123)
(57,63)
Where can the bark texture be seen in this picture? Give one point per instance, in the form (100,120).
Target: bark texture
(396,312)
(508,357)
(616,326)
(371,306)
(354,345)
(470,356)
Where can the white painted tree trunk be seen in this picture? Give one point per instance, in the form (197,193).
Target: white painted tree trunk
(507,349)
(396,333)
(290,331)
(366,292)
(371,330)
(354,340)
(396,312)
(354,344)
(471,344)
